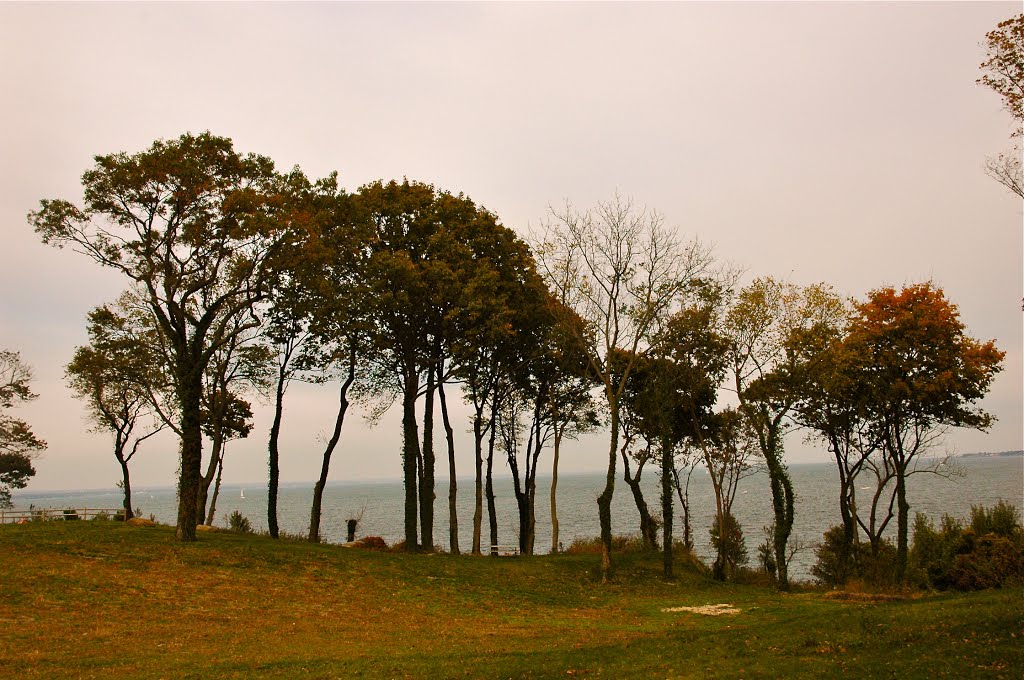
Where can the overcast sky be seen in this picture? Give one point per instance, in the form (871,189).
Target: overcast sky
(838,142)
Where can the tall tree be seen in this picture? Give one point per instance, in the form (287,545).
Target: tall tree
(926,374)
(195,225)
(630,269)
(116,375)
(18,444)
(769,373)
(1004,73)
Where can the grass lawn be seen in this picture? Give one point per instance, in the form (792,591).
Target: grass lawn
(101,599)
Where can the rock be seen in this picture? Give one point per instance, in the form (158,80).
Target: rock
(204,527)
(140,522)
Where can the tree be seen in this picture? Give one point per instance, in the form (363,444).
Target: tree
(18,444)
(1005,65)
(770,370)
(116,375)
(729,456)
(1005,75)
(629,270)
(196,226)
(925,375)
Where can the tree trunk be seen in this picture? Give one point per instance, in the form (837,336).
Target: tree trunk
(410,454)
(427,473)
(212,510)
(206,480)
(478,503)
(684,500)
(667,468)
(554,486)
(318,489)
(126,486)
(190,391)
(902,523)
(604,501)
(453,486)
(273,454)
(782,506)
(492,513)
(648,527)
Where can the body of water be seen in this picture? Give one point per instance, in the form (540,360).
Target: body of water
(985,481)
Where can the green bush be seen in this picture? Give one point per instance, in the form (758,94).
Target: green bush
(239,523)
(988,553)
(838,564)
(71,515)
(1002,519)
(728,542)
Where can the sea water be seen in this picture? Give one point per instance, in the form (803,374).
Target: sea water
(380,505)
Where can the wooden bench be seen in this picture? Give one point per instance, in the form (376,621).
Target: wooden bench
(504,551)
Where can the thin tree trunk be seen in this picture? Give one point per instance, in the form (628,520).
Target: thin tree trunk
(427,494)
(206,480)
(410,455)
(648,527)
(126,485)
(684,500)
(902,522)
(318,489)
(478,502)
(453,486)
(492,513)
(554,486)
(604,501)
(273,453)
(216,493)
(667,467)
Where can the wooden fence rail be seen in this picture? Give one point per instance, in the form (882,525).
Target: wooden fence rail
(67,514)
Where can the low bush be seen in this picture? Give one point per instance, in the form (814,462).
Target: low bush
(592,546)
(987,553)
(239,523)
(839,564)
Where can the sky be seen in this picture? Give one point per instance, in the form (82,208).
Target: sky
(810,141)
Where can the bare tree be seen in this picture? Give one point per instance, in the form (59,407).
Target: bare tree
(629,270)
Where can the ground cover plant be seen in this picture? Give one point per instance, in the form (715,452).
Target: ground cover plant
(102,599)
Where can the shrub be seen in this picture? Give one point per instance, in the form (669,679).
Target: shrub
(766,552)
(372,543)
(71,515)
(1002,519)
(728,542)
(840,564)
(592,546)
(835,563)
(988,553)
(239,523)
(101,517)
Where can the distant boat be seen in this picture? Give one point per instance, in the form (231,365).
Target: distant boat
(243,493)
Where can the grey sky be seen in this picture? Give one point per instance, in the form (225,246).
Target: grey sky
(842,142)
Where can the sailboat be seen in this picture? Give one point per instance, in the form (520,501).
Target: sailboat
(243,493)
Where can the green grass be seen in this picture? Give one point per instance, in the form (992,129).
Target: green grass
(100,599)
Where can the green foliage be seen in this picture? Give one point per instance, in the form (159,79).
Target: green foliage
(1002,519)
(239,523)
(766,552)
(835,563)
(987,553)
(70,515)
(727,538)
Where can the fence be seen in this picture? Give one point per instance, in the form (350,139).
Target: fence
(67,514)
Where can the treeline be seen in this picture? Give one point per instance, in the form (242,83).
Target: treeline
(243,278)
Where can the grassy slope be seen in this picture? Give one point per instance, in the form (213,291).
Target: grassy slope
(99,599)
